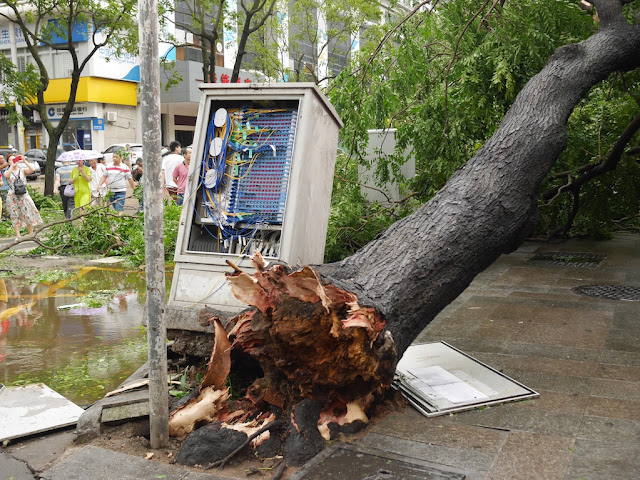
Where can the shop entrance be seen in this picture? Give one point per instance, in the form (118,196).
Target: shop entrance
(77,135)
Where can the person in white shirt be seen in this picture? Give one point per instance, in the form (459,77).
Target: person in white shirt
(98,193)
(169,163)
(117,176)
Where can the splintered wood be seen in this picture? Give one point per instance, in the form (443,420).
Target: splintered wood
(315,339)
(311,341)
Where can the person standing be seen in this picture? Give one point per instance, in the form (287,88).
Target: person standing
(98,170)
(117,176)
(80,178)
(126,155)
(22,210)
(63,178)
(137,177)
(169,163)
(4,188)
(180,175)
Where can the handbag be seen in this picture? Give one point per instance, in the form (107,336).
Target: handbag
(19,188)
(69,190)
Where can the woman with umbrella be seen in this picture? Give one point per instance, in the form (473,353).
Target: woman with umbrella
(80,175)
(80,178)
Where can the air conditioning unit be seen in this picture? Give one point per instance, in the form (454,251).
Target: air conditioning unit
(112,116)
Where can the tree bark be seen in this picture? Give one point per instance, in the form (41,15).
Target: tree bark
(423,262)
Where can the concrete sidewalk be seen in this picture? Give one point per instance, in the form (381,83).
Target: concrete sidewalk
(581,353)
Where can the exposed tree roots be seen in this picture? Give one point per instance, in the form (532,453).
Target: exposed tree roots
(308,342)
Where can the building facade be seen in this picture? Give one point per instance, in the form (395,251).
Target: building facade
(107,98)
(107,103)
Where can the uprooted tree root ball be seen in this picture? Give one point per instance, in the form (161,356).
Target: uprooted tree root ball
(320,362)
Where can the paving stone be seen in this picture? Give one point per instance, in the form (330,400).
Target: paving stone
(573,403)
(412,425)
(620,358)
(623,340)
(541,365)
(613,408)
(100,464)
(618,372)
(528,275)
(627,320)
(11,468)
(474,346)
(564,315)
(532,456)
(345,461)
(588,277)
(475,463)
(509,417)
(550,382)
(125,412)
(609,430)
(41,452)
(596,460)
(620,389)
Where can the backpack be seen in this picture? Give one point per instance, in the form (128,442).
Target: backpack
(19,188)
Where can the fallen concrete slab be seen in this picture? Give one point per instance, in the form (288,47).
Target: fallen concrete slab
(31,409)
(126,405)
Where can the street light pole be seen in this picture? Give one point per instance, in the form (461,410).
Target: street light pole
(153,222)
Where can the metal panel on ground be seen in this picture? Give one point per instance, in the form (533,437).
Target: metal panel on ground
(437,378)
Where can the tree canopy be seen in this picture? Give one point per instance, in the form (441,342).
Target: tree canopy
(445,78)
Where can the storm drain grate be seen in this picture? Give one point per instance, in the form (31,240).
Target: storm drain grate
(567,259)
(612,292)
(348,462)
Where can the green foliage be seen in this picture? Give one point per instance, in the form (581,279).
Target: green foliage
(44,203)
(610,201)
(353,222)
(183,390)
(445,79)
(103,232)
(17,85)
(98,298)
(6,229)
(48,276)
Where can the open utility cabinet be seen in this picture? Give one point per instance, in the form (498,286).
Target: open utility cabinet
(260,179)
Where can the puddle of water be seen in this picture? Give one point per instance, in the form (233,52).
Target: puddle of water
(82,353)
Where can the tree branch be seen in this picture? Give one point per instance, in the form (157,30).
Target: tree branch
(609,164)
(34,236)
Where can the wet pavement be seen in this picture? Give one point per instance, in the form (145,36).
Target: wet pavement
(525,319)
(581,353)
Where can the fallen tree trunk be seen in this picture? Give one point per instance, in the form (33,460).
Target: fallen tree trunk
(333,333)
(423,262)
(401,280)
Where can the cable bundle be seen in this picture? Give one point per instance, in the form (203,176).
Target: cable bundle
(244,177)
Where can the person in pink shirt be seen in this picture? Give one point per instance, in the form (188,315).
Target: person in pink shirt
(180,174)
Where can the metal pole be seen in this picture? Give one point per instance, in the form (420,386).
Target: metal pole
(153,226)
